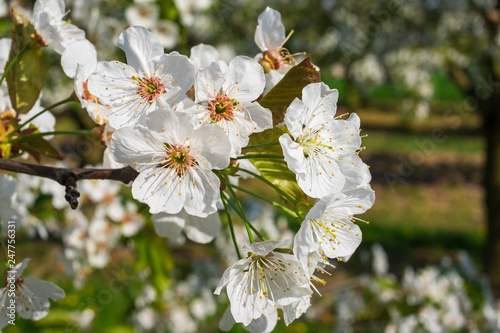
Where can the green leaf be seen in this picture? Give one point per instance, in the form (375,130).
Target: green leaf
(275,170)
(267,136)
(279,98)
(25,78)
(4,26)
(38,147)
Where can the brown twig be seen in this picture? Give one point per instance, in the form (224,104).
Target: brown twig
(68,177)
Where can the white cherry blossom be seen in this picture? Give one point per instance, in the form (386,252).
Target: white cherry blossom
(225,99)
(48,21)
(175,162)
(142,14)
(79,61)
(270,38)
(30,296)
(151,80)
(321,148)
(264,281)
(190,11)
(90,242)
(167,33)
(102,238)
(328,227)
(131,222)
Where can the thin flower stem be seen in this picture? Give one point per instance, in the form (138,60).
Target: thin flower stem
(238,210)
(7,69)
(243,216)
(64,101)
(247,224)
(262,145)
(225,179)
(247,227)
(39,135)
(279,157)
(231,227)
(277,189)
(274,203)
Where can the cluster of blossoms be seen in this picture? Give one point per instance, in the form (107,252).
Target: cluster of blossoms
(184,123)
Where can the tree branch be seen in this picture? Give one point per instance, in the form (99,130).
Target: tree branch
(68,177)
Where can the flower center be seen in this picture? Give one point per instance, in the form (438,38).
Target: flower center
(308,143)
(270,61)
(222,108)
(312,142)
(149,87)
(144,13)
(178,157)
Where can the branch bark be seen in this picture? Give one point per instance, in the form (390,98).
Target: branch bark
(68,177)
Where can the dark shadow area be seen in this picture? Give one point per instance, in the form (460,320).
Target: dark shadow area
(390,168)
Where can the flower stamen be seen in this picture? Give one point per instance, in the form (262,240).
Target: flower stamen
(150,87)
(179,158)
(222,108)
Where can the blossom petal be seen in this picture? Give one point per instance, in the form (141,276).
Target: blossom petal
(202,55)
(245,80)
(229,274)
(357,173)
(175,127)
(265,323)
(321,178)
(259,115)
(169,225)
(208,82)
(202,193)
(179,69)
(149,187)
(304,241)
(294,155)
(296,117)
(34,297)
(296,309)
(21,267)
(316,94)
(140,46)
(135,145)
(270,32)
(80,54)
(203,230)
(214,145)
